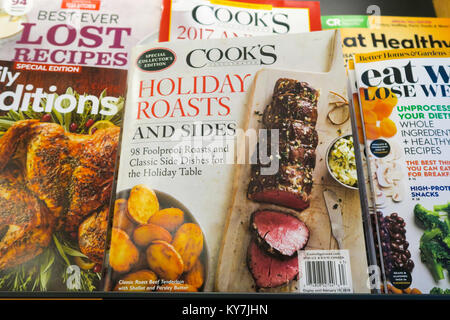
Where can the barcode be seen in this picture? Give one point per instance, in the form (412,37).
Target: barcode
(325,273)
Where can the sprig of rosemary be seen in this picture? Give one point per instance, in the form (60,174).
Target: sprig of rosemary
(41,273)
(87,277)
(31,276)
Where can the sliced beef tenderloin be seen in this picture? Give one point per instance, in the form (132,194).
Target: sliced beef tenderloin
(301,89)
(278,233)
(290,186)
(291,107)
(267,271)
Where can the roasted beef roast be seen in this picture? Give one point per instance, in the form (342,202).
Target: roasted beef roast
(278,233)
(289,106)
(301,89)
(293,112)
(267,271)
(290,186)
(272,253)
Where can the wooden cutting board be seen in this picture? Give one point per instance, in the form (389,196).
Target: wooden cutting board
(232,272)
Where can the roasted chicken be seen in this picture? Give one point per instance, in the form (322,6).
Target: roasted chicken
(26,225)
(92,235)
(71,173)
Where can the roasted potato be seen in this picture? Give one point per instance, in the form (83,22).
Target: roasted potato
(141,264)
(142,204)
(123,253)
(120,219)
(170,218)
(164,260)
(137,281)
(147,233)
(195,277)
(176,287)
(188,242)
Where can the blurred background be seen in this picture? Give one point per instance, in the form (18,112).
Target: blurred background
(416,8)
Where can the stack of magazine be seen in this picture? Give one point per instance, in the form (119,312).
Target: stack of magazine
(230,151)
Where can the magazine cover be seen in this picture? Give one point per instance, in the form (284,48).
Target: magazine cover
(62,88)
(364,34)
(75,32)
(404,106)
(211,19)
(197,196)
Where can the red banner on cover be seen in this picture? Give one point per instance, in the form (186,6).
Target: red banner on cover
(81,4)
(46,67)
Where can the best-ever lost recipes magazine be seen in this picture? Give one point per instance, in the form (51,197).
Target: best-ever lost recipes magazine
(404,99)
(62,86)
(232,176)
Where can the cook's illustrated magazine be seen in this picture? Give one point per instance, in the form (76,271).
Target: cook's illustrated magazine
(403,99)
(237,171)
(63,71)
(212,19)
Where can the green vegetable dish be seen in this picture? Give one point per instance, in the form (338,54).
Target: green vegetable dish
(437,290)
(435,242)
(342,163)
